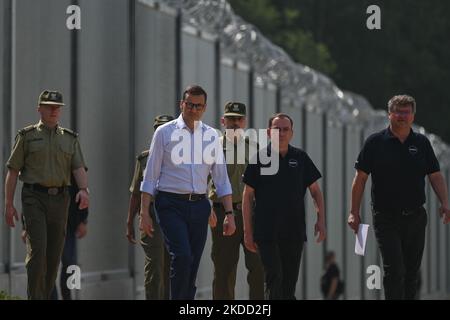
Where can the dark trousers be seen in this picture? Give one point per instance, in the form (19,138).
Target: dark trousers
(69,257)
(184,225)
(401,239)
(225,256)
(281,260)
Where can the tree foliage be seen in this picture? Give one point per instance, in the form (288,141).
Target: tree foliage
(410,54)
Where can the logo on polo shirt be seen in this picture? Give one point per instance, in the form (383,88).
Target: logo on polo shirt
(293,163)
(413,150)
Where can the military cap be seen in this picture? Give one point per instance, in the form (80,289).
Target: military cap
(51,98)
(234,109)
(161,119)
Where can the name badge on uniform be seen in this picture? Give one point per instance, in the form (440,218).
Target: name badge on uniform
(413,150)
(293,163)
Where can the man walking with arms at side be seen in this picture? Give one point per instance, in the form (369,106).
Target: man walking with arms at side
(176,178)
(225,249)
(278,229)
(156,265)
(398,159)
(45,155)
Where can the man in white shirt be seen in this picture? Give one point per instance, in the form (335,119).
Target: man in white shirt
(176,176)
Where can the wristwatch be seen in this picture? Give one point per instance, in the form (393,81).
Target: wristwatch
(229,212)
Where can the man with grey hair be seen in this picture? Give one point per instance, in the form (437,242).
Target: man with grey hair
(399,159)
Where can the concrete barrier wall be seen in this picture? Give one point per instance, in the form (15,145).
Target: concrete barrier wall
(104,121)
(313,252)
(353,262)
(372,256)
(5,76)
(200,65)
(295,111)
(336,217)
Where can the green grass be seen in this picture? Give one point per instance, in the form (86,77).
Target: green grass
(5,296)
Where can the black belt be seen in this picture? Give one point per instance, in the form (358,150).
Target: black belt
(236,205)
(185,196)
(49,190)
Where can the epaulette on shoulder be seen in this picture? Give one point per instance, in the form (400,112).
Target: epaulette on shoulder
(70,132)
(143,155)
(23,131)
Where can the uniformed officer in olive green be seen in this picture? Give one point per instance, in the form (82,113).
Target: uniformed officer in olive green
(157,259)
(225,249)
(43,157)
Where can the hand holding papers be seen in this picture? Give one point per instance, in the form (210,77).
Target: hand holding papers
(361,237)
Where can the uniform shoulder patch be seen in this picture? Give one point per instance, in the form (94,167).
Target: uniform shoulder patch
(143,155)
(70,132)
(27,129)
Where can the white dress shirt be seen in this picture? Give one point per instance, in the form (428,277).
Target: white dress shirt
(170,169)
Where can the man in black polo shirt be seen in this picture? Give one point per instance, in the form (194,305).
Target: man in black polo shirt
(398,159)
(278,229)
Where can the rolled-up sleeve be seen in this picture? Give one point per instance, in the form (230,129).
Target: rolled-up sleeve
(220,176)
(153,167)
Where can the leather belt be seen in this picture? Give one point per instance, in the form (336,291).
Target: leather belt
(185,196)
(236,205)
(53,191)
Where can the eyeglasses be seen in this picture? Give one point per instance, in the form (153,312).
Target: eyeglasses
(197,106)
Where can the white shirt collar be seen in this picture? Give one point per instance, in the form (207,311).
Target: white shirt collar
(180,124)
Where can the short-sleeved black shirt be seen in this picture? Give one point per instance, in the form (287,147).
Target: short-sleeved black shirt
(280,206)
(398,169)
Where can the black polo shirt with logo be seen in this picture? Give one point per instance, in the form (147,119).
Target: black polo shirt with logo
(398,169)
(279,198)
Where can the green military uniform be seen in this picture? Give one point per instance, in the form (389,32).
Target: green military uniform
(157,259)
(225,249)
(45,159)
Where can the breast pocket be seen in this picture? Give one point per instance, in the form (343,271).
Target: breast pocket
(35,157)
(65,154)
